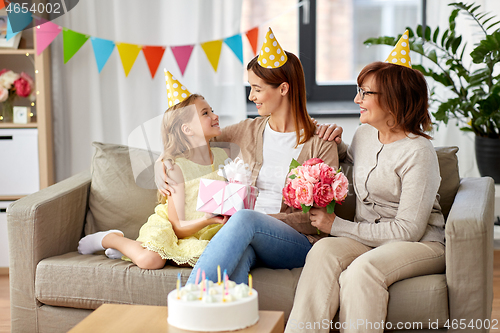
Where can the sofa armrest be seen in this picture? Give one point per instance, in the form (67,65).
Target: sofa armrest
(469,250)
(41,225)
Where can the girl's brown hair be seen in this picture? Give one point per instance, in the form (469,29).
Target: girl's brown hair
(402,91)
(292,73)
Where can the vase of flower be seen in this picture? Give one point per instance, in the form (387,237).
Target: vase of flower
(12,86)
(7,110)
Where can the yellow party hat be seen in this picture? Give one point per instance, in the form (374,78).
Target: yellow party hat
(271,54)
(400,55)
(176,92)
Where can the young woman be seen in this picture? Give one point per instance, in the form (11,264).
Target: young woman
(273,234)
(398,229)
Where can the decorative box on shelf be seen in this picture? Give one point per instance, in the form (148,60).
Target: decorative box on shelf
(19,168)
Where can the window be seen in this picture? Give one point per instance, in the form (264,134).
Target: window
(330,46)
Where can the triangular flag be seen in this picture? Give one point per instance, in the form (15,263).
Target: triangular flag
(10,33)
(72,42)
(236,45)
(153,55)
(19,19)
(2,4)
(46,32)
(212,50)
(182,55)
(253,37)
(128,55)
(102,50)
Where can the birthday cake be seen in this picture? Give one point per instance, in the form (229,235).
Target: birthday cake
(209,307)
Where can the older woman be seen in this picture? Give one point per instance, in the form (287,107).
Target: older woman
(398,229)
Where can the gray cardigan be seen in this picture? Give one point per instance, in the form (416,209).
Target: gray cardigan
(396,188)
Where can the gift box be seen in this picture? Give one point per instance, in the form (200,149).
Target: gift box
(225,198)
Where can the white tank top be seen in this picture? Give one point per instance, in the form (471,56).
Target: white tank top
(278,151)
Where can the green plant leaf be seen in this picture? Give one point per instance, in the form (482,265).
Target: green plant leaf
(293,164)
(305,209)
(474,9)
(432,56)
(419,30)
(391,41)
(456,44)
(427,33)
(491,26)
(444,38)
(435,36)
(330,208)
(452,18)
(466,129)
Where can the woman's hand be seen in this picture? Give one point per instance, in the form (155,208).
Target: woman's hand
(212,219)
(329,132)
(162,180)
(321,219)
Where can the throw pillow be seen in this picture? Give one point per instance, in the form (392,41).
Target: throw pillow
(450,179)
(116,201)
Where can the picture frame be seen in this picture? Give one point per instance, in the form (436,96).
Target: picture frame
(13,43)
(21,114)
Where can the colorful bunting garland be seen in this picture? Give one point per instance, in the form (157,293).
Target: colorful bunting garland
(102,51)
(72,42)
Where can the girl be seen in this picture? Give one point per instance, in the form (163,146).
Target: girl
(176,231)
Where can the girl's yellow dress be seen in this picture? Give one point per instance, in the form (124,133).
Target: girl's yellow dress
(157,234)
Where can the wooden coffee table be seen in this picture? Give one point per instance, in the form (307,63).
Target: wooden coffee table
(121,318)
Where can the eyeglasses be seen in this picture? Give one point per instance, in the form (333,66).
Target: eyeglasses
(364,93)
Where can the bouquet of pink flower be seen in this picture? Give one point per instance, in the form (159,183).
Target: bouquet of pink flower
(314,183)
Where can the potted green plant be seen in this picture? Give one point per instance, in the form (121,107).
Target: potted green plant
(475,89)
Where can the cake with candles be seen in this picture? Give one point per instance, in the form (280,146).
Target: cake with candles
(207,306)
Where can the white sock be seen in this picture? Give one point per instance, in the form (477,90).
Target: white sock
(93,242)
(113,254)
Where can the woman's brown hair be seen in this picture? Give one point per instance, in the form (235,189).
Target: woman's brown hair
(402,91)
(292,73)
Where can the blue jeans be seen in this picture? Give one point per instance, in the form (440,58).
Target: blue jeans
(249,236)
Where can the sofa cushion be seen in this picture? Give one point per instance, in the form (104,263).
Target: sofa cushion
(450,178)
(87,281)
(116,201)
(419,300)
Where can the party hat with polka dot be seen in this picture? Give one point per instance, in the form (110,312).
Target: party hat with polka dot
(271,54)
(176,92)
(400,55)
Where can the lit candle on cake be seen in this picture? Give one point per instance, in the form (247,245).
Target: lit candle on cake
(203,279)
(218,275)
(197,276)
(249,284)
(178,285)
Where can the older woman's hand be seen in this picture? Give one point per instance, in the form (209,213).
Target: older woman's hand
(321,219)
(329,132)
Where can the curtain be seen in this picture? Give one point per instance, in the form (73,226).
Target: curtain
(438,13)
(107,107)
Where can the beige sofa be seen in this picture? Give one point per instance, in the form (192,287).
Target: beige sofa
(52,287)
